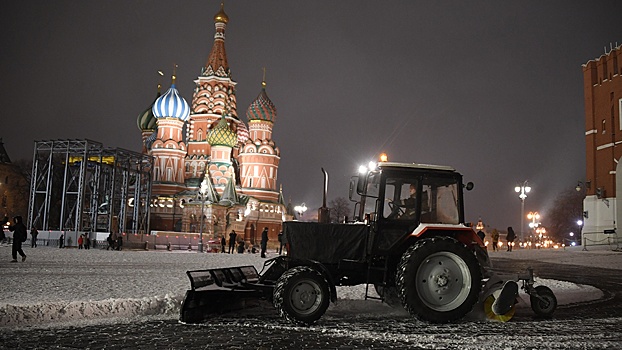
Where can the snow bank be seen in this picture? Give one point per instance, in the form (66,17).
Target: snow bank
(70,286)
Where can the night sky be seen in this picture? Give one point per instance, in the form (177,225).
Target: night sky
(492,88)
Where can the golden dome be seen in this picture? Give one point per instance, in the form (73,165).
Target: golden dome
(221,16)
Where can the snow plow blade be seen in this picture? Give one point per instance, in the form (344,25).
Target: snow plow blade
(217,291)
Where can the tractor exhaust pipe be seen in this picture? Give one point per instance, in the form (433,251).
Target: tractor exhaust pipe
(323,215)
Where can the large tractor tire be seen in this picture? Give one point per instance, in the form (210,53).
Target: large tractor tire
(438,280)
(301,295)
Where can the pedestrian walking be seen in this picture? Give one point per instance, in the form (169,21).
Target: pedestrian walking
(241,247)
(264,242)
(120,243)
(495,239)
(481,235)
(510,238)
(80,241)
(87,241)
(61,241)
(20,234)
(232,237)
(33,240)
(223,244)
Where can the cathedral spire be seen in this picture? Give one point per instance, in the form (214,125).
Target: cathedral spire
(217,61)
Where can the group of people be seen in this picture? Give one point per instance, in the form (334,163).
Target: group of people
(494,235)
(241,246)
(115,242)
(232,244)
(84,242)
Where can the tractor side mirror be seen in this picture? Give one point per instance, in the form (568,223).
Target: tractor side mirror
(360,185)
(353,186)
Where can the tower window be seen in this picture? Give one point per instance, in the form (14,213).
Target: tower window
(604,127)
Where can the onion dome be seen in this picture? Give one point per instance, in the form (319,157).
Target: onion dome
(262,108)
(222,135)
(171,105)
(243,133)
(146,121)
(221,16)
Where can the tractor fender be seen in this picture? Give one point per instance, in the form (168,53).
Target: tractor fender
(462,233)
(293,262)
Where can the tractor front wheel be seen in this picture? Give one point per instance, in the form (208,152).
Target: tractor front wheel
(301,295)
(438,280)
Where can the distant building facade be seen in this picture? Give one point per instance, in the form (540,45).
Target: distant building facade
(13,187)
(603,139)
(204,150)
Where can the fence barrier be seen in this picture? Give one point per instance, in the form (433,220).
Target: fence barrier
(593,239)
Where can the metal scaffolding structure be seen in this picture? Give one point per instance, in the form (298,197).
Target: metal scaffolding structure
(79,185)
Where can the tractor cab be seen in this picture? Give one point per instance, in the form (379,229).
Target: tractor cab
(397,198)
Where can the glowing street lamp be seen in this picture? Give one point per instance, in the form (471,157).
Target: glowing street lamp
(480,225)
(522,189)
(300,209)
(535,219)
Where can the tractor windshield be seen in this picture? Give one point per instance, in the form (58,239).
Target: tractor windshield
(421,197)
(442,201)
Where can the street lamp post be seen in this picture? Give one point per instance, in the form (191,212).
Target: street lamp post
(535,220)
(522,189)
(202,192)
(300,209)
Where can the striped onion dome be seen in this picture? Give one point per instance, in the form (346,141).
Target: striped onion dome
(222,135)
(171,105)
(243,133)
(262,108)
(146,121)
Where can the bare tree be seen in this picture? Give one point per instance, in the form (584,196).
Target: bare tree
(339,209)
(567,209)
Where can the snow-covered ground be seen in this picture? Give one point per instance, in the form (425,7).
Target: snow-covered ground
(77,287)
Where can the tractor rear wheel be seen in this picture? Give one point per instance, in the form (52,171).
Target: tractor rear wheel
(438,280)
(301,295)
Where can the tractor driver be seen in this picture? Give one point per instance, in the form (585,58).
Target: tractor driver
(409,204)
(404,208)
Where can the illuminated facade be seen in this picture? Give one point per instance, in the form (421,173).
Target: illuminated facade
(603,138)
(238,164)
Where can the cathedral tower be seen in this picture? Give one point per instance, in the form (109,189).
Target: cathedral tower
(259,156)
(214,95)
(169,150)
